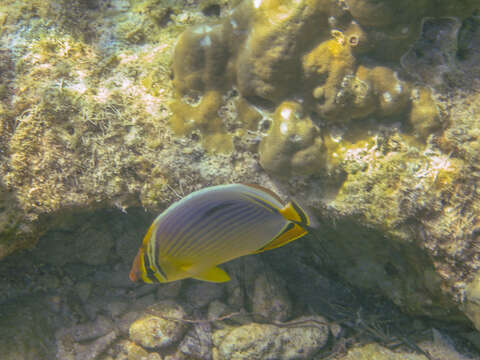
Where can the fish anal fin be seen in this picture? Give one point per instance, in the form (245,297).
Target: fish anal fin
(214,274)
(290,234)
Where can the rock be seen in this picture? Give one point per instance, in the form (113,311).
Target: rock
(471,303)
(441,346)
(217,309)
(106,304)
(89,331)
(200,294)
(169,290)
(124,322)
(128,234)
(262,341)
(83,290)
(236,298)
(197,343)
(293,145)
(92,350)
(132,351)
(26,332)
(270,297)
(234,288)
(116,308)
(84,238)
(377,352)
(143,302)
(153,356)
(151,330)
(117,279)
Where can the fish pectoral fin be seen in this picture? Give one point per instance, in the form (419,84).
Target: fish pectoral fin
(214,274)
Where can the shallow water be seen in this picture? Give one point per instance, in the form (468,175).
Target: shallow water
(366,112)
(67,302)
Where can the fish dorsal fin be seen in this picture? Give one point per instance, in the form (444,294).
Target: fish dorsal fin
(213,274)
(268,191)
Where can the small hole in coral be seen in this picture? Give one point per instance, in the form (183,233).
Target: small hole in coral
(91,4)
(265,125)
(322,77)
(195,137)
(233,93)
(261,102)
(390,269)
(353,40)
(70,130)
(476,234)
(166,18)
(419,53)
(212,10)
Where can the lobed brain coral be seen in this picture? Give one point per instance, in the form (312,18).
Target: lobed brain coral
(336,62)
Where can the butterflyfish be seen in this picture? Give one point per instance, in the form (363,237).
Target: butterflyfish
(212,226)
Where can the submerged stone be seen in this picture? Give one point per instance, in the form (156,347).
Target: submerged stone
(262,341)
(152,330)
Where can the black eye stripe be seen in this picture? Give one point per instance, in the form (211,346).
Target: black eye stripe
(150,274)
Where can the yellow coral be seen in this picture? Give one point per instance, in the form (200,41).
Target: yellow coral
(293,144)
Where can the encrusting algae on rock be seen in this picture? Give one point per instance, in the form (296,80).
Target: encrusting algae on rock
(344,109)
(84,114)
(318,54)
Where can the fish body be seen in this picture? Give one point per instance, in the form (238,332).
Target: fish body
(212,226)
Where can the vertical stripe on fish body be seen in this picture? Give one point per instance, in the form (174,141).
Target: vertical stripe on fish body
(212,226)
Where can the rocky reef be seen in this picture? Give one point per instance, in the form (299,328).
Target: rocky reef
(357,120)
(365,111)
(56,306)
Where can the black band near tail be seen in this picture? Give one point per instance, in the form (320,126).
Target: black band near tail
(304,221)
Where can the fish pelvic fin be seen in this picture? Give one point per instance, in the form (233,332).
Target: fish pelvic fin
(214,274)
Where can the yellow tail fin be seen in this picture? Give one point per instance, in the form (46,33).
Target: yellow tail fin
(293,212)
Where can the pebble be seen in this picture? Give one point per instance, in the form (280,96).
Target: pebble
(92,330)
(151,330)
(265,341)
(169,290)
(92,350)
(200,294)
(124,322)
(217,309)
(270,297)
(197,343)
